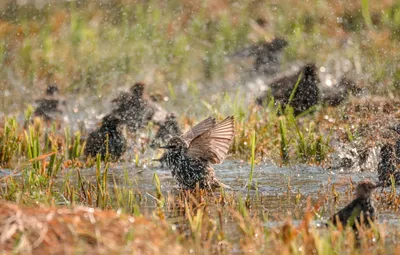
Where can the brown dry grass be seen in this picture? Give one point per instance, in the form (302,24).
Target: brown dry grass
(38,230)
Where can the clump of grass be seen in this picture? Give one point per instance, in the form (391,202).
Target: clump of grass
(252,165)
(366,13)
(285,138)
(102,194)
(74,145)
(9,142)
(159,195)
(33,147)
(284,141)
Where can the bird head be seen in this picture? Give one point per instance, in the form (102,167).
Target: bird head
(176,144)
(171,116)
(278,43)
(111,121)
(51,90)
(310,70)
(364,188)
(138,89)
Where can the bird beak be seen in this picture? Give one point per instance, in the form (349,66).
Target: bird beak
(156,159)
(165,147)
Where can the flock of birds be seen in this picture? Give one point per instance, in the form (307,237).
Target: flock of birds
(190,155)
(309,92)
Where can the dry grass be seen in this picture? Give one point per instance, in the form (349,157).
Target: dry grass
(41,230)
(60,230)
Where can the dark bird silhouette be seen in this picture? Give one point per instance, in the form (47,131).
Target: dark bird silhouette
(267,55)
(305,96)
(122,101)
(338,94)
(395,128)
(170,128)
(48,107)
(190,156)
(136,109)
(389,163)
(361,207)
(96,143)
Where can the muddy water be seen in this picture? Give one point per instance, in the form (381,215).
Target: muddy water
(282,191)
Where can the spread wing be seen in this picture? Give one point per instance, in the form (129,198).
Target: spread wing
(213,145)
(199,129)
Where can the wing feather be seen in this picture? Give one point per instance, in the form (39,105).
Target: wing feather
(199,129)
(213,145)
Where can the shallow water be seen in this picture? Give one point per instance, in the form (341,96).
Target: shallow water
(277,186)
(283,192)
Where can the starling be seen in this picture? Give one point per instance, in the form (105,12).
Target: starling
(48,107)
(170,128)
(131,107)
(121,101)
(305,96)
(267,55)
(136,109)
(395,128)
(397,145)
(389,164)
(190,156)
(361,205)
(96,142)
(338,94)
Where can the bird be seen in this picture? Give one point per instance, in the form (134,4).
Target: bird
(131,107)
(395,128)
(389,163)
(361,207)
(336,95)
(121,101)
(96,143)
(267,55)
(170,128)
(136,110)
(48,107)
(305,96)
(397,146)
(190,155)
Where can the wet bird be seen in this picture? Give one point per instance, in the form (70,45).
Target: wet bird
(131,107)
(389,163)
(49,106)
(267,55)
(305,96)
(190,156)
(170,128)
(136,109)
(336,95)
(395,128)
(361,209)
(109,131)
(121,101)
